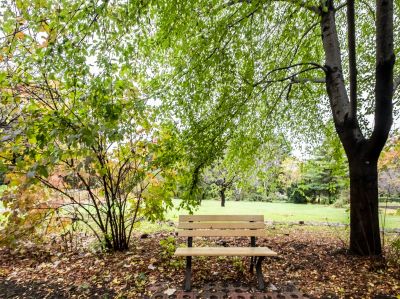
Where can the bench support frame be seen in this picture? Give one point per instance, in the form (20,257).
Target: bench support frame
(224,226)
(257,261)
(253,258)
(254,261)
(188,273)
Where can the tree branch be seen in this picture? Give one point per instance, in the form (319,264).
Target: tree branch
(312,8)
(340,6)
(339,101)
(385,59)
(233,2)
(305,80)
(308,30)
(264,79)
(351,38)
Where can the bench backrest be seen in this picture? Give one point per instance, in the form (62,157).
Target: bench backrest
(221,226)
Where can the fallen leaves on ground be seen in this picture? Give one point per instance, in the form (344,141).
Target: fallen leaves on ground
(315,261)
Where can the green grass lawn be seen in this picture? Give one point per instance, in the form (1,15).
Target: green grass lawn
(279,211)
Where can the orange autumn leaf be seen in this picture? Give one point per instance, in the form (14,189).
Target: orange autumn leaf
(20,35)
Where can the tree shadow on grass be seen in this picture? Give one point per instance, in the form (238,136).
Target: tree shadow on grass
(33,289)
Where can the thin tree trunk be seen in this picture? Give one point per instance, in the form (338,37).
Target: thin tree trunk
(222,196)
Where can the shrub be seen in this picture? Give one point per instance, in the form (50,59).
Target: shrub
(168,247)
(394,251)
(343,200)
(296,194)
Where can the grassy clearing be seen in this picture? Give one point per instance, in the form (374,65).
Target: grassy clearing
(278,211)
(151,228)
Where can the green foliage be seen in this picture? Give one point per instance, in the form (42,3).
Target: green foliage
(26,213)
(221,177)
(115,162)
(329,174)
(394,251)
(238,264)
(168,247)
(296,194)
(83,128)
(81,81)
(343,200)
(255,196)
(250,177)
(389,168)
(324,176)
(227,100)
(247,72)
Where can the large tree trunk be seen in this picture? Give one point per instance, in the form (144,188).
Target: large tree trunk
(362,152)
(364,216)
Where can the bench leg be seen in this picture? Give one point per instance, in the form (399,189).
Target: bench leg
(252,261)
(188,274)
(260,278)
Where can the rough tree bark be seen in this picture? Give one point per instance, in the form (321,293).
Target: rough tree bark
(362,152)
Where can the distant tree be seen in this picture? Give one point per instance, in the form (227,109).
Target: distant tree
(389,169)
(251,176)
(326,172)
(269,166)
(290,172)
(222,177)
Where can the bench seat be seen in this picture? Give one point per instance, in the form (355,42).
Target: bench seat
(225,251)
(252,226)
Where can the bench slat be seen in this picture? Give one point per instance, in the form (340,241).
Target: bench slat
(222,233)
(219,225)
(255,218)
(225,251)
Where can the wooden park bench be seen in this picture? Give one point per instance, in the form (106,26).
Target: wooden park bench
(223,226)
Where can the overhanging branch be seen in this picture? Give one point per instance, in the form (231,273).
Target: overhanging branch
(351,40)
(306,80)
(301,4)
(340,6)
(265,80)
(384,83)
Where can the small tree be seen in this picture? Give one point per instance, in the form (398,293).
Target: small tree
(219,175)
(85,130)
(325,173)
(109,171)
(389,167)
